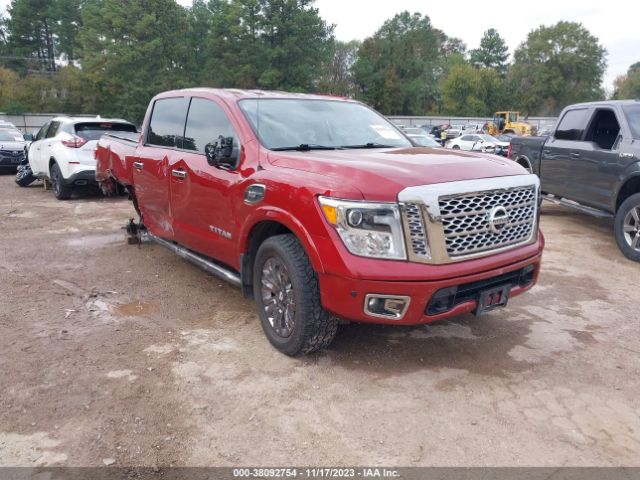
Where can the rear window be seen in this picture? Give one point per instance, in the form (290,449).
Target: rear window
(166,127)
(572,125)
(94,130)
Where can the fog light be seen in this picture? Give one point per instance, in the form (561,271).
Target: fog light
(392,307)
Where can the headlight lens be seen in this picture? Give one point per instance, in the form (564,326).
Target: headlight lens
(367,229)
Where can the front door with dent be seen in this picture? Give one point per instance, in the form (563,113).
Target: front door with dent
(201,194)
(150,174)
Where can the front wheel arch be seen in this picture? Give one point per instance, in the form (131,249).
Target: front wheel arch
(525,163)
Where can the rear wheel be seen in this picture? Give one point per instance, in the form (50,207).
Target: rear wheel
(456,147)
(288,298)
(60,190)
(627,227)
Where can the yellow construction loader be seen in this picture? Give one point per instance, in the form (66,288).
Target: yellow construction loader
(509,122)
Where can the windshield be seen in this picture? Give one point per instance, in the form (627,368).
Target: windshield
(632,112)
(93,131)
(290,123)
(10,137)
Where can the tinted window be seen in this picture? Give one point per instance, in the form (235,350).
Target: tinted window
(53,129)
(604,129)
(572,125)
(467,138)
(167,122)
(42,132)
(93,130)
(205,123)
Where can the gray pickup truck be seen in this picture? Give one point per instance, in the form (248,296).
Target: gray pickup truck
(591,161)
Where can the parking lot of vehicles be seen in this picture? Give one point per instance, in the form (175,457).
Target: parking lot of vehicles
(130,355)
(591,161)
(320,209)
(62,152)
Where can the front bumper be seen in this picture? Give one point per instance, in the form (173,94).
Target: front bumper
(345,297)
(10,159)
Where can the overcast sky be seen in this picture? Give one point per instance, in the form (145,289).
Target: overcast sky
(615,22)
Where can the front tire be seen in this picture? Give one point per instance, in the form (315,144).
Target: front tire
(627,227)
(287,297)
(60,190)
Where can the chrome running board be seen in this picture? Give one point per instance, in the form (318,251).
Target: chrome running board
(203,262)
(594,212)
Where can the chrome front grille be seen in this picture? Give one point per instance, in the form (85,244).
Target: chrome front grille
(466,220)
(416,231)
(455,221)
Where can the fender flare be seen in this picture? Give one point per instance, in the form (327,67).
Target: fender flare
(279,215)
(519,160)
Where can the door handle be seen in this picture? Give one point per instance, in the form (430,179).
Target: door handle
(179,174)
(575,155)
(138,165)
(546,151)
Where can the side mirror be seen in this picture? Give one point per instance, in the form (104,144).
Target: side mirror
(221,153)
(28,137)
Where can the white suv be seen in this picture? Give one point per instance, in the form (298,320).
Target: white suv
(62,151)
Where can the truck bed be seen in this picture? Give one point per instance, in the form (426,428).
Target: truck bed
(529,148)
(115,154)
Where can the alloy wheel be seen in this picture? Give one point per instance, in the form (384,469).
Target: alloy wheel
(631,228)
(278,297)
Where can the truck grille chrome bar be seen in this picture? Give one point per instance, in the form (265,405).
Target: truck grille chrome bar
(456,221)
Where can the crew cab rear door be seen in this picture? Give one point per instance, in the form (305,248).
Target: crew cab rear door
(559,150)
(202,195)
(163,139)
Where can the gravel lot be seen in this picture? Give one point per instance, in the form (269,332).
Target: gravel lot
(129,355)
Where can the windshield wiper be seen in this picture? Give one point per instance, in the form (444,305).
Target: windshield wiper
(305,147)
(369,145)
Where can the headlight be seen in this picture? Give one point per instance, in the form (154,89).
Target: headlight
(367,229)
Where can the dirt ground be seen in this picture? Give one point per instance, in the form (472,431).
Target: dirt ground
(127,355)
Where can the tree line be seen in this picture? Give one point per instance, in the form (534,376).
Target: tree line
(111,56)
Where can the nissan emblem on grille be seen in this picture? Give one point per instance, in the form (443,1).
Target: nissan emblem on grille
(498,219)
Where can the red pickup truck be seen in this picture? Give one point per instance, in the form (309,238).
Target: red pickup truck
(322,210)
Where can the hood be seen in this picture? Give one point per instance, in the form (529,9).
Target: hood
(380,174)
(9,145)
